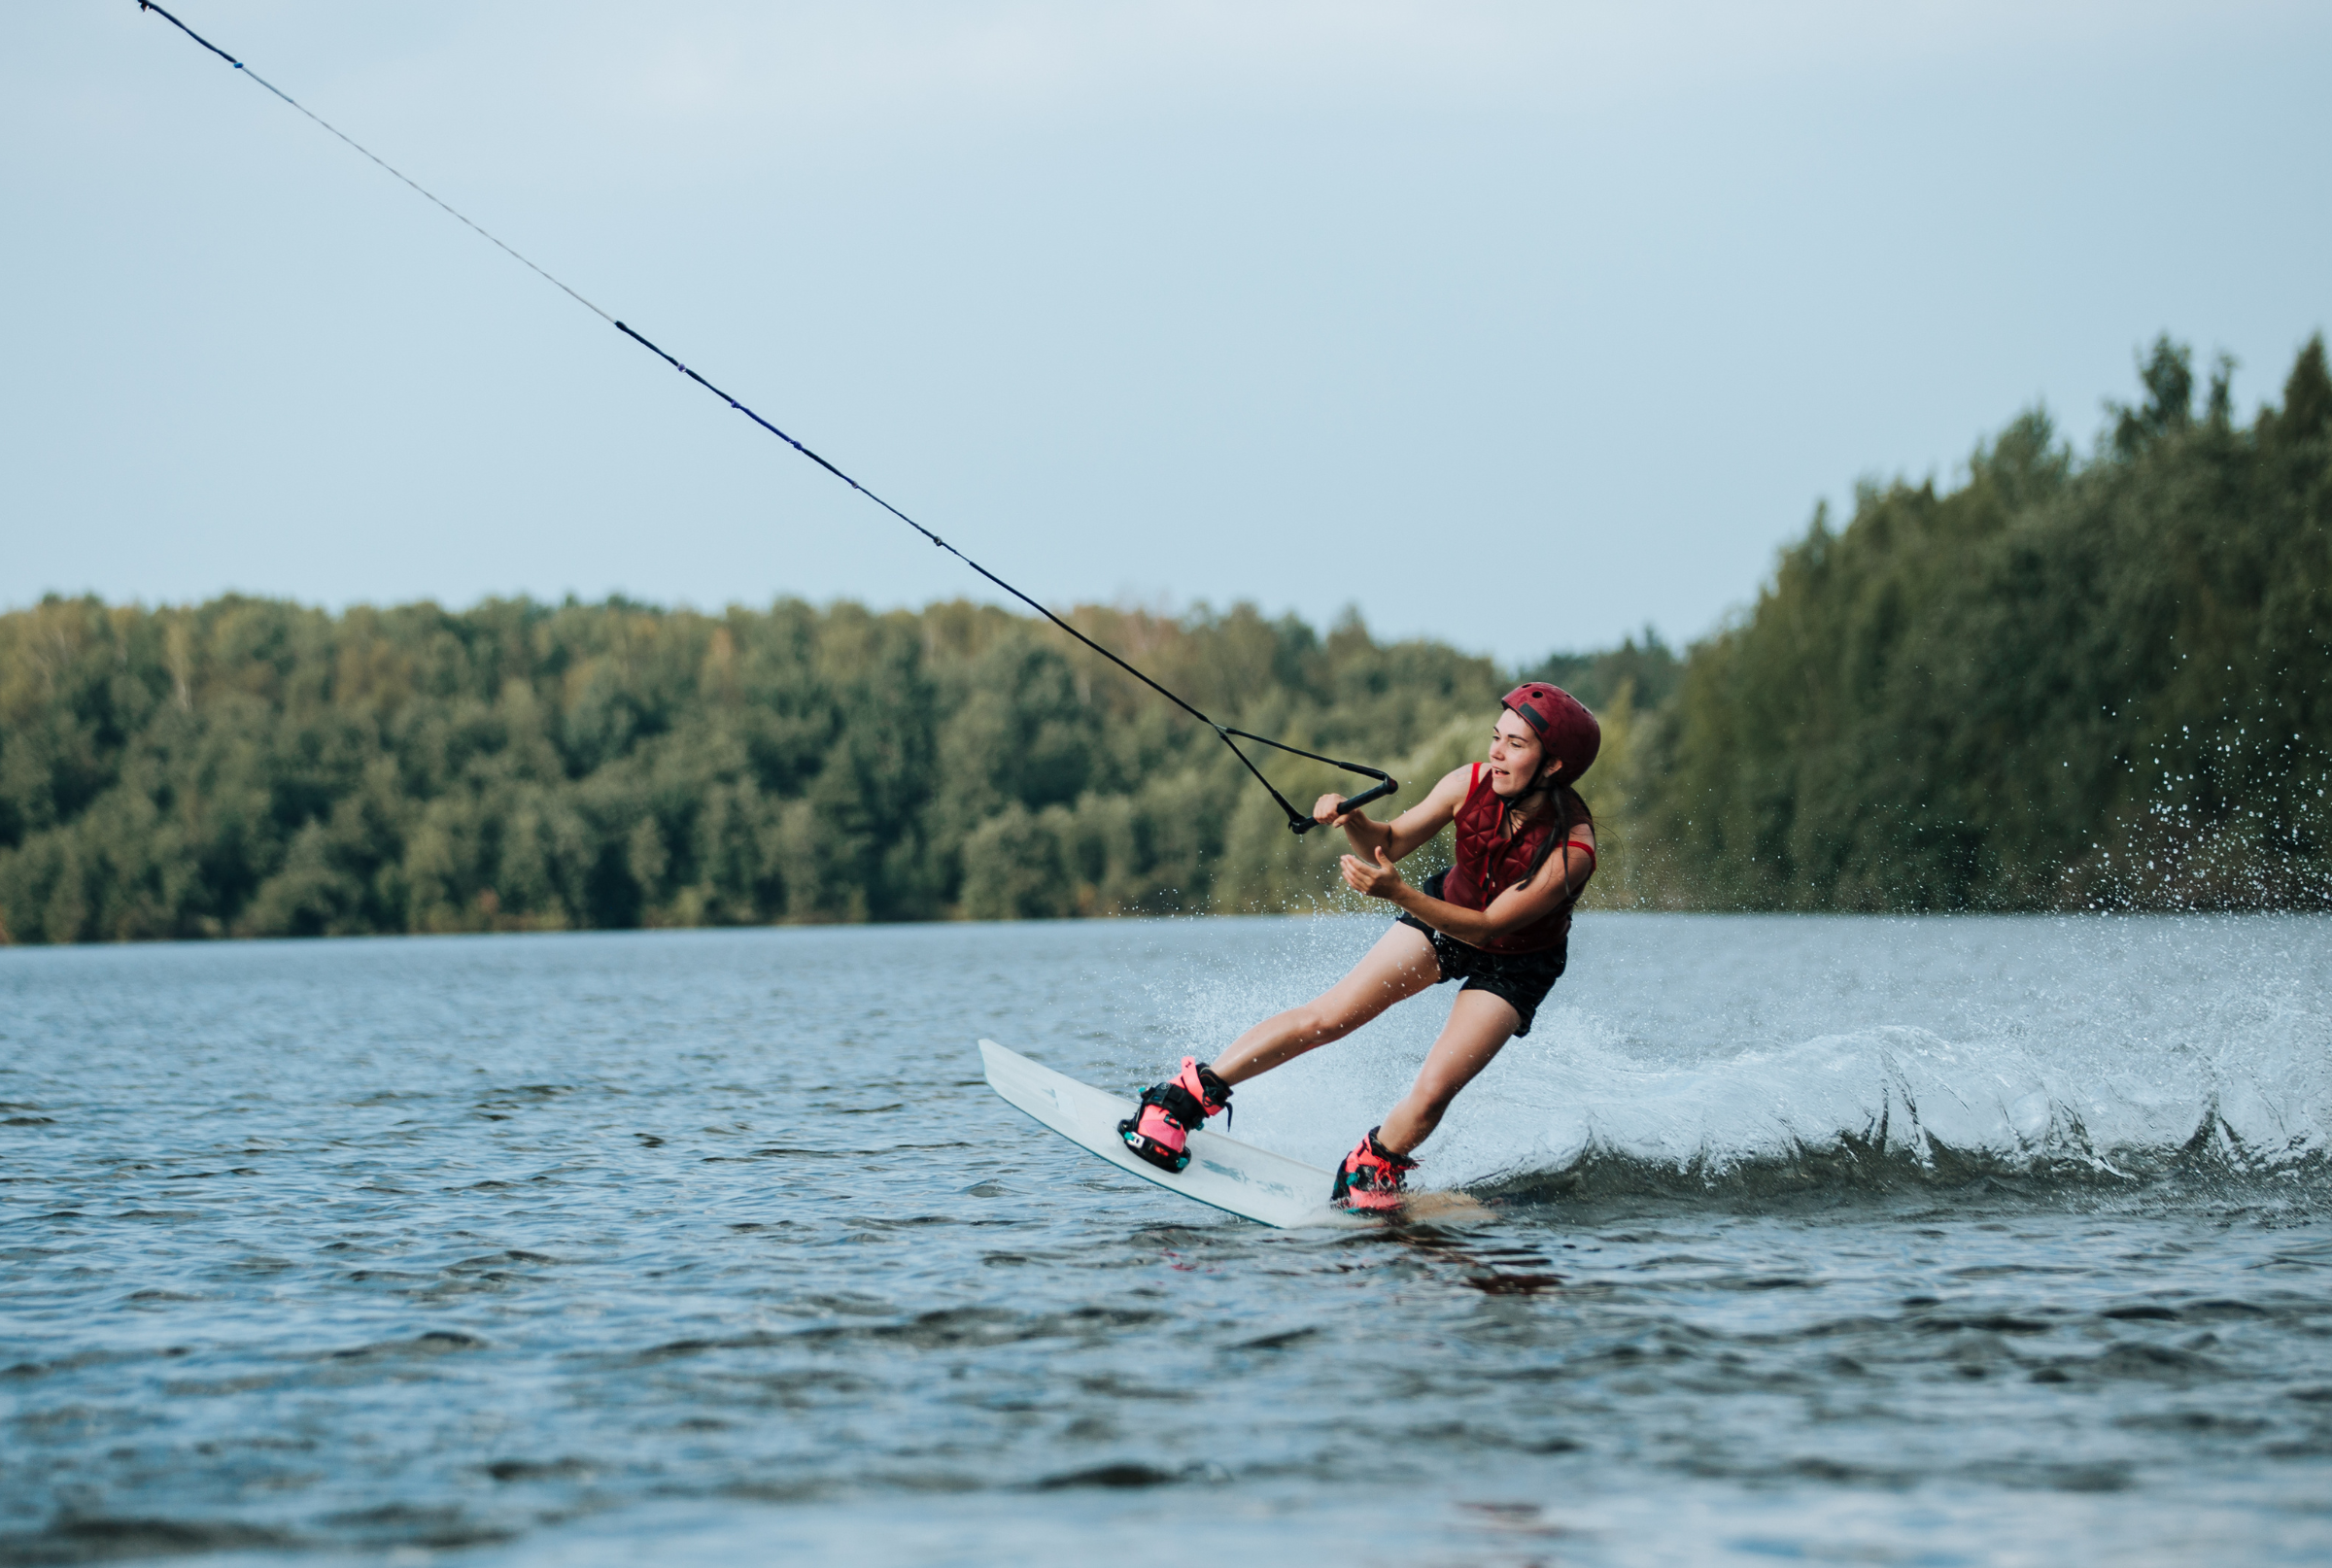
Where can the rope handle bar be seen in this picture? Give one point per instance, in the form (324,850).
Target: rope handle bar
(1352,802)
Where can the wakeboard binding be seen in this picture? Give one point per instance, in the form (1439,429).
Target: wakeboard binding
(1370,1178)
(1159,1130)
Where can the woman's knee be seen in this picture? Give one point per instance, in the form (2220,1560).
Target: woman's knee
(1317,1023)
(1444,1074)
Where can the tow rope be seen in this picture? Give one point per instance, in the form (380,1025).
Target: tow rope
(1298,822)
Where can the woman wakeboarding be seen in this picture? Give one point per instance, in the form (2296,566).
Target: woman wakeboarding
(1490,920)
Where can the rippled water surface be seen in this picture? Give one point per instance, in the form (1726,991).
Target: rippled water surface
(1827,1240)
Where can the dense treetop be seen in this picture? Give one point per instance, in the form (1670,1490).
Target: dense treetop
(2064,683)
(249,765)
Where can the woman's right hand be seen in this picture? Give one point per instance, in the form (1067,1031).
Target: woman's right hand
(1330,811)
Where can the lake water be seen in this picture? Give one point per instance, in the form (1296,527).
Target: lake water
(1947,1241)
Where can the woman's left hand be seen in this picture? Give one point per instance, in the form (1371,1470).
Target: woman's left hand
(1379,881)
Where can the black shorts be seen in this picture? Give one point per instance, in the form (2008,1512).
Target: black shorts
(1523,979)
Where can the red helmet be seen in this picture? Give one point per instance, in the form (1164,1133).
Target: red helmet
(1563,724)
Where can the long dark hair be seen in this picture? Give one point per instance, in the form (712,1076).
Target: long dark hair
(1565,798)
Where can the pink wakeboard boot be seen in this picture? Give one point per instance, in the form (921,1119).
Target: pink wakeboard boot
(1370,1178)
(1159,1131)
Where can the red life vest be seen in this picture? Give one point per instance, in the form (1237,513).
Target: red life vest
(1489,863)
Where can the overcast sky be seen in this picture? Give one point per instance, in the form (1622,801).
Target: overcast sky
(1514,325)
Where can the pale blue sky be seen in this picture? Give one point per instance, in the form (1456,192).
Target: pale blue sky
(1514,325)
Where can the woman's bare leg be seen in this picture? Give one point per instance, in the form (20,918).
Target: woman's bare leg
(1400,965)
(1480,1025)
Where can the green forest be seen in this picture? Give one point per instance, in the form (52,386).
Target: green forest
(2064,682)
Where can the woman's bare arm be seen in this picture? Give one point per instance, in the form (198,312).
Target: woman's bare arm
(1404,832)
(1510,910)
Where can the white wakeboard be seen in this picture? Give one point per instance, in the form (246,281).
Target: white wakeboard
(1237,1178)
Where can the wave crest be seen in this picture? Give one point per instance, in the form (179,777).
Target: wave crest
(1897,1107)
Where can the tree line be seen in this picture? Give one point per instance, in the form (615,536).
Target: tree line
(251,766)
(2065,683)
(2062,683)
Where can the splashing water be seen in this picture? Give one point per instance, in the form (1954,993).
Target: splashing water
(1806,1052)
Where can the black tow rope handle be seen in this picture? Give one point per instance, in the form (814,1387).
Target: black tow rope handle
(1302,826)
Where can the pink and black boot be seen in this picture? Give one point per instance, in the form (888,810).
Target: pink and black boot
(1160,1131)
(1370,1178)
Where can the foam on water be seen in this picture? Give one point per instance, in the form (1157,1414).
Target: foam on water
(2161,1048)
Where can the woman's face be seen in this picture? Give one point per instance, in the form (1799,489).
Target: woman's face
(1514,755)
